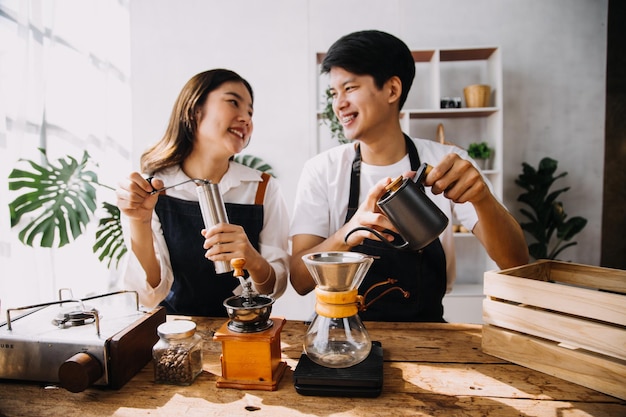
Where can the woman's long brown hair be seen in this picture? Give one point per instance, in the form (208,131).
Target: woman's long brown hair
(177,142)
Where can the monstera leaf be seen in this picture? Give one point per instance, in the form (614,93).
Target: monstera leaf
(254,162)
(58,201)
(109,239)
(61,198)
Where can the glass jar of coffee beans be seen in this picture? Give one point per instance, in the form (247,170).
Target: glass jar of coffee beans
(177,356)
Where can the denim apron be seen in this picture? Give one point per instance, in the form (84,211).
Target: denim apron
(197,290)
(401,284)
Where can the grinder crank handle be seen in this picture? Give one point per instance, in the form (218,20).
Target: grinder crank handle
(238,271)
(238,264)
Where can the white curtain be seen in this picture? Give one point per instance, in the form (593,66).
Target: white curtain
(64,86)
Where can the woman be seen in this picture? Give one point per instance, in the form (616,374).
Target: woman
(211,121)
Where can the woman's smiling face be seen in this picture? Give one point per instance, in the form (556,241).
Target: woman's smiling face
(225,119)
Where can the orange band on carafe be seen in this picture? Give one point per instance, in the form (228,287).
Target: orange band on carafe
(336,304)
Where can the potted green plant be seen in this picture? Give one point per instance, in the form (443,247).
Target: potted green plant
(329,118)
(481,153)
(548,215)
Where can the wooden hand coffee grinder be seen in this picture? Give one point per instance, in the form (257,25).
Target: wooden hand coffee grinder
(251,352)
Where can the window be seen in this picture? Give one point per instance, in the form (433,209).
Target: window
(64,87)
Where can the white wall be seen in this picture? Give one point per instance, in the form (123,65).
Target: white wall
(553,53)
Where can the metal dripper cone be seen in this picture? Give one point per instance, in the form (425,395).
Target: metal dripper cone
(337,271)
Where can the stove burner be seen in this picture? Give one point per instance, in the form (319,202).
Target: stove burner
(75,318)
(62,342)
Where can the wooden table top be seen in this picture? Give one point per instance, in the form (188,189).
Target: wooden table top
(429,370)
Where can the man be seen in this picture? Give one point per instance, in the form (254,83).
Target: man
(370,74)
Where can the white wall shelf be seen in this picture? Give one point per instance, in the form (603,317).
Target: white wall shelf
(448,113)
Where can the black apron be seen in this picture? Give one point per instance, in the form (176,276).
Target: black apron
(197,290)
(420,276)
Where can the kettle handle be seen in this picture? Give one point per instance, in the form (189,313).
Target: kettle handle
(421,173)
(378,235)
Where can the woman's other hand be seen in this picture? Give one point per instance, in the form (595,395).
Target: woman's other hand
(134,199)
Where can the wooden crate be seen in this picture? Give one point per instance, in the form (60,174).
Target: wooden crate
(567,320)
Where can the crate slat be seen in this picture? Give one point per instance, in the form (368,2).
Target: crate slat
(580,367)
(591,303)
(595,277)
(572,331)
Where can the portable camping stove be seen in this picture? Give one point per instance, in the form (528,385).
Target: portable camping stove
(101,340)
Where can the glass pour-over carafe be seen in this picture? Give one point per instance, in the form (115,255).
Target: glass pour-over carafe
(336,337)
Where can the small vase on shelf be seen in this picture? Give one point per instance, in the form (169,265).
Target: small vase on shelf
(484,163)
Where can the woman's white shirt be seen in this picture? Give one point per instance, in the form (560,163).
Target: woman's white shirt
(238,186)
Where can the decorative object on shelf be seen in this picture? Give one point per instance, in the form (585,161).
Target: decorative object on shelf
(459,228)
(548,215)
(477,95)
(441,135)
(482,153)
(450,102)
(329,118)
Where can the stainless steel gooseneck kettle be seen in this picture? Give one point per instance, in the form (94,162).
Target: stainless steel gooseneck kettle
(418,220)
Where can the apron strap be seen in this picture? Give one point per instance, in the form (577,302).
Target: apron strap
(355,183)
(260,191)
(355,176)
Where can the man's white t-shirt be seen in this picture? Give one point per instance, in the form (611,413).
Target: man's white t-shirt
(321,201)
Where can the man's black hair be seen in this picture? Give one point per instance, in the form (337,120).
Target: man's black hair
(375,53)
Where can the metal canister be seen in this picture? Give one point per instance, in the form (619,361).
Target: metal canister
(213,212)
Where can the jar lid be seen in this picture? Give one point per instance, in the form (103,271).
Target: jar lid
(177,329)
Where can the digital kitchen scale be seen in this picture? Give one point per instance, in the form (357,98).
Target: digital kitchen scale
(364,379)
